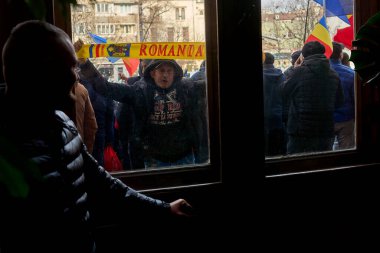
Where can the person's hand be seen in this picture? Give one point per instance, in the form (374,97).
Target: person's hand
(181,207)
(123,77)
(298,61)
(77,46)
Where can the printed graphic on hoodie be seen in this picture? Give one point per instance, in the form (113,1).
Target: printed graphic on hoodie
(167,110)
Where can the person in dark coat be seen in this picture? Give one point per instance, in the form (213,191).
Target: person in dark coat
(273,108)
(105,118)
(311,96)
(289,71)
(52,191)
(125,116)
(201,73)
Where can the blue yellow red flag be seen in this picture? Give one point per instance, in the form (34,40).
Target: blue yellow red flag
(321,34)
(339,8)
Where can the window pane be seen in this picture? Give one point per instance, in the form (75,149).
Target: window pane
(309,100)
(172,129)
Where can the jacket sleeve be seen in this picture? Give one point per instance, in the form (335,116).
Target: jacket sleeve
(107,192)
(123,93)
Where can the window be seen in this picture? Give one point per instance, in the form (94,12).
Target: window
(103,8)
(185,32)
(127,28)
(155,23)
(105,28)
(180,13)
(170,34)
(124,9)
(301,125)
(366,126)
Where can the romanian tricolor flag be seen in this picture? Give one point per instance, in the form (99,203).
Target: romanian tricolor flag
(321,34)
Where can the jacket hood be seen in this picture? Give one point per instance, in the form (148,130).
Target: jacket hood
(155,63)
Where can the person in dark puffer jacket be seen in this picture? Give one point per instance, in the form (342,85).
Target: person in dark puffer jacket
(310,97)
(51,189)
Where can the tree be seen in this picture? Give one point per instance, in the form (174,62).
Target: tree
(150,16)
(288,23)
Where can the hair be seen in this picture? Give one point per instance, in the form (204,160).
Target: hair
(269,58)
(312,48)
(346,59)
(47,74)
(295,55)
(337,51)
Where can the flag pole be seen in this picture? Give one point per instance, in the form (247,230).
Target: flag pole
(307,15)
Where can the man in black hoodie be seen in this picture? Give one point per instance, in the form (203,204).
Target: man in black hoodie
(169,126)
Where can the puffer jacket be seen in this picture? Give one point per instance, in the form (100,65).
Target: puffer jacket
(61,190)
(311,96)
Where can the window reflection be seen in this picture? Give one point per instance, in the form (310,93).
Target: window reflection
(305,110)
(171,129)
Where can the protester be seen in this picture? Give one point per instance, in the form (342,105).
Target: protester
(310,97)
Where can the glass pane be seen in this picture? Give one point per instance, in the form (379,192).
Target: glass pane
(152,125)
(309,94)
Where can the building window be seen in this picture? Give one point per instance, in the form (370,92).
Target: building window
(124,9)
(185,32)
(129,29)
(170,33)
(103,8)
(180,13)
(105,28)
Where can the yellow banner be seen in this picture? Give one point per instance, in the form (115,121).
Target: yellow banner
(150,50)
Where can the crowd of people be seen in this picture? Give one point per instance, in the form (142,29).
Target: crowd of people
(311,106)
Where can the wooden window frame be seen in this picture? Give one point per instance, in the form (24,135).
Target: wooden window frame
(367,127)
(198,175)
